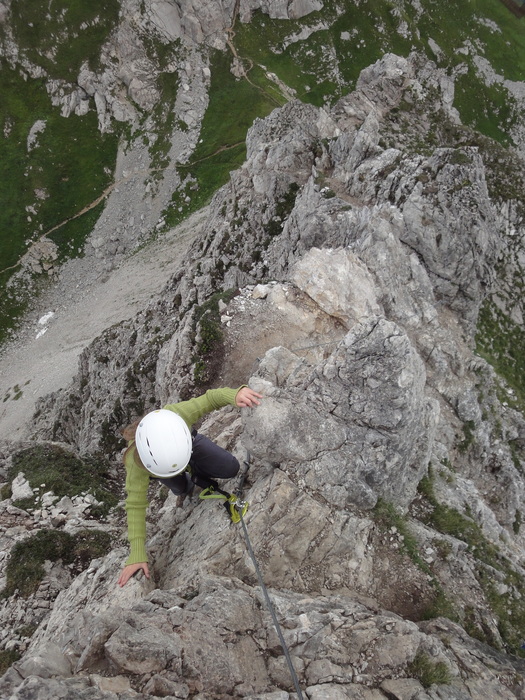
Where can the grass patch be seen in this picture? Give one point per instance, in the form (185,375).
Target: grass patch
(61,35)
(71,236)
(15,298)
(321,55)
(468,432)
(440,606)
(201,180)
(338,43)
(386,515)
(163,114)
(451,522)
(64,474)
(429,672)
(233,106)
(508,608)
(209,349)
(486,108)
(500,341)
(7,658)
(25,568)
(68,167)
(283,208)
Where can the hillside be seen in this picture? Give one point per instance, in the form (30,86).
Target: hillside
(139,97)
(362,268)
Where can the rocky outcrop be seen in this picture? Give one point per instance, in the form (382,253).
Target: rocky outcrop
(342,649)
(384,403)
(282,203)
(386,476)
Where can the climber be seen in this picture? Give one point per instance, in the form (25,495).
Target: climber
(163,446)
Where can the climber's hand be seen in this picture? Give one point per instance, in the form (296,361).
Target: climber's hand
(246,397)
(130,570)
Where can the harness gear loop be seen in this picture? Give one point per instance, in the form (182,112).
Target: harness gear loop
(233,504)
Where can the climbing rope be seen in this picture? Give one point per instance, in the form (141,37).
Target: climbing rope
(271,609)
(236,509)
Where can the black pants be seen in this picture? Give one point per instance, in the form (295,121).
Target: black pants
(207,460)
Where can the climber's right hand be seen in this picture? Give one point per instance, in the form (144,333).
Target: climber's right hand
(131,569)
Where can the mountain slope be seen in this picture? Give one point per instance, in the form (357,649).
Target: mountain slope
(386,476)
(363,268)
(151,74)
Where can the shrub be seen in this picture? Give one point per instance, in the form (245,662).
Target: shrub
(427,671)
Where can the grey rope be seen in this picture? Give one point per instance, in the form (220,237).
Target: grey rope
(271,609)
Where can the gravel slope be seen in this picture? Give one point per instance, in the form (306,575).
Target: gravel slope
(84,301)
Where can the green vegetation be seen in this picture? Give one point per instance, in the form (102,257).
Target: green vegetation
(388,517)
(62,35)
(440,606)
(70,237)
(65,170)
(14,393)
(25,568)
(209,350)
(508,608)
(234,105)
(487,108)
(163,55)
(501,342)
(324,65)
(283,208)
(451,522)
(70,166)
(468,432)
(321,55)
(64,474)
(7,658)
(429,672)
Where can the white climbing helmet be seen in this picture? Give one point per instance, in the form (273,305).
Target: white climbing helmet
(163,441)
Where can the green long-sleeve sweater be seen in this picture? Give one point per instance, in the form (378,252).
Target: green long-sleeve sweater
(137,478)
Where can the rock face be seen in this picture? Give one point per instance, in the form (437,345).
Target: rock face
(386,474)
(383,401)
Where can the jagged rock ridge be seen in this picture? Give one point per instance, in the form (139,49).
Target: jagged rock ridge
(379,257)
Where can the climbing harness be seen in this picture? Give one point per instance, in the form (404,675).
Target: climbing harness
(234,505)
(236,509)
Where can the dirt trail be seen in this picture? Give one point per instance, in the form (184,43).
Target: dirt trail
(84,302)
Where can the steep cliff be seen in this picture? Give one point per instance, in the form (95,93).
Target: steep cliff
(342,270)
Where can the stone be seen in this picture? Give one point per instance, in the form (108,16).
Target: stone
(159,686)
(115,684)
(260,291)
(402,688)
(20,488)
(339,282)
(141,651)
(46,663)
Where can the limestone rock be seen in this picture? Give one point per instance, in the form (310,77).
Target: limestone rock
(139,650)
(362,345)
(20,488)
(338,282)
